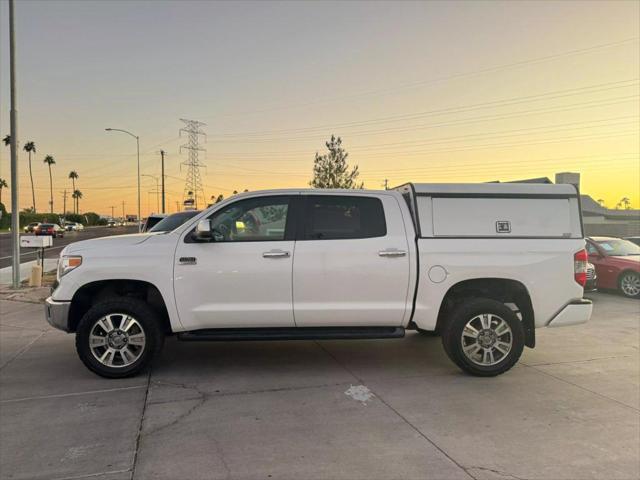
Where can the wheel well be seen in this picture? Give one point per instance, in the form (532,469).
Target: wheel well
(500,289)
(623,272)
(95,292)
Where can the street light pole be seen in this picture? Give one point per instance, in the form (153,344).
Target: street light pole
(138,153)
(13,114)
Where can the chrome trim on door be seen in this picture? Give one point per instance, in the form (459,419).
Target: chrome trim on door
(275,254)
(392,252)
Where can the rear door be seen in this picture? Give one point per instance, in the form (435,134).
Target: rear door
(351,263)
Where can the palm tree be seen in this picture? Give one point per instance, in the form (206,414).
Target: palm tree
(626,203)
(7,140)
(73,175)
(3,184)
(50,161)
(77,195)
(30,148)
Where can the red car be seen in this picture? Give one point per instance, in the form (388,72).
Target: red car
(617,263)
(49,229)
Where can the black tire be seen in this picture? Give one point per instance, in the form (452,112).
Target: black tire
(452,336)
(148,322)
(625,291)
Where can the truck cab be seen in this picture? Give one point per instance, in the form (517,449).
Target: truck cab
(480,265)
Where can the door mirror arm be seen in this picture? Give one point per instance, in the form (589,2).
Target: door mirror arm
(203,232)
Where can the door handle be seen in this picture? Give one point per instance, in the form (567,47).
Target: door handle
(188,260)
(392,252)
(275,254)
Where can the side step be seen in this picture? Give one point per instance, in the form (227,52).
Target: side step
(290,333)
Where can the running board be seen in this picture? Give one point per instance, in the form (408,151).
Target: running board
(287,333)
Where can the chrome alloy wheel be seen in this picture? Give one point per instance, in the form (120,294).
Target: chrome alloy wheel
(486,339)
(630,285)
(117,340)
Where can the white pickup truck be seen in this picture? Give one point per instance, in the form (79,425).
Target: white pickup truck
(481,265)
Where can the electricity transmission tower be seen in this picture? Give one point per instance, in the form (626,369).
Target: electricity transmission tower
(193,190)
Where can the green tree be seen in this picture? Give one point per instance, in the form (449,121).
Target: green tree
(30,147)
(50,161)
(220,198)
(77,195)
(3,185)
(73,175)
(6,140)
(331,169)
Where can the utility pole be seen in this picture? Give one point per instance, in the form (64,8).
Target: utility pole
(162,176)
(124,219)
(64,203)
(13,117)
(386,184)
(112,207)
(177,206)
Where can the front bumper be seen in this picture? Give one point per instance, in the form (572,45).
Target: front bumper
(576,312)
(57,313)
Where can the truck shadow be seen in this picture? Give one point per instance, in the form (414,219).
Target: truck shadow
(302,361)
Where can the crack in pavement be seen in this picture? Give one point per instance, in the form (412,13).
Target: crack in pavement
(23,350)
(622,404)
(139,435)
(200,399)
(243,392)
(402,417)
(92,475)
(569,362)
(71,394)
(497,472)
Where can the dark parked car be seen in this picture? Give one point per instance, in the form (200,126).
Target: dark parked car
(635,240)
(174,221)
(50,229)
(152,220)
(617,263)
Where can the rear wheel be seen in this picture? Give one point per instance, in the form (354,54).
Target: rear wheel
(629,284)
(119,337)
(483,337)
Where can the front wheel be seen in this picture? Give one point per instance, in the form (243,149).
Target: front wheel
(119,337)
(629,284)
(483,337)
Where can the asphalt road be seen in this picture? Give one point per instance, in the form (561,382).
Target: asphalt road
(27,255)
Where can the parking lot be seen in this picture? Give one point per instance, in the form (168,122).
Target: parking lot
(376,409)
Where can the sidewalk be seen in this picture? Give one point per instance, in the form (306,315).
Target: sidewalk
(50,264)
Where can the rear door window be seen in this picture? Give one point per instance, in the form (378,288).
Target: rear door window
(334,217)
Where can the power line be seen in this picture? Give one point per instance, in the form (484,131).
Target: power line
(456,109)
(447,78)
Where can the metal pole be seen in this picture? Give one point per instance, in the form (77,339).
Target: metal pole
(139,217)
(162,155)
(13,116)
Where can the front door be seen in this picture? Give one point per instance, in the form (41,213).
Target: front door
(243,277)
(351,266)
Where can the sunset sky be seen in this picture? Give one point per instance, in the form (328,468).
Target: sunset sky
(422,92)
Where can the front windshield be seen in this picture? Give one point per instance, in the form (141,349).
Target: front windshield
(619,248)
(172,222)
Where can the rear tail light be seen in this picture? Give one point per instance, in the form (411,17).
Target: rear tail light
(580,267)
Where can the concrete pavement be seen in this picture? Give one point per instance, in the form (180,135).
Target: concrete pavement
(375,409)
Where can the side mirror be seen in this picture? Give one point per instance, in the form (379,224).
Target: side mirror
(203,231)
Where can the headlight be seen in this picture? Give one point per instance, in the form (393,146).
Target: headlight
(68,263)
